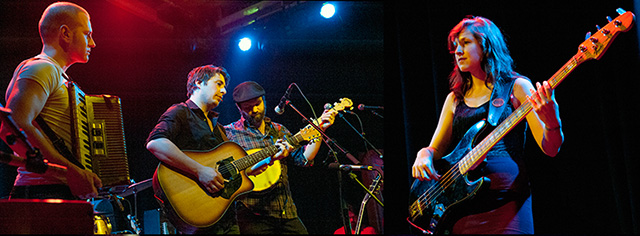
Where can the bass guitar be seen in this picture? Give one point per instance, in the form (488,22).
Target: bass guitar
(434,203)
(265,180)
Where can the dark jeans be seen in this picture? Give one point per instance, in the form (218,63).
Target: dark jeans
(254,224)
(53,191)
(226,225)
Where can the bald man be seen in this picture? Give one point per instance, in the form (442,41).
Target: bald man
(39,88)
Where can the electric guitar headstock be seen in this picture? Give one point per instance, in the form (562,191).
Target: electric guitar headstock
(344,103)
(309,133)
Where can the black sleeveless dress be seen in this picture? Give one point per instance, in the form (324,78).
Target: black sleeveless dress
(506,206)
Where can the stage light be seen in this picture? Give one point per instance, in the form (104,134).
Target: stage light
(328,10)
(244,44)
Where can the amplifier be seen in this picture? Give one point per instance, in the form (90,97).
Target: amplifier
(46,216)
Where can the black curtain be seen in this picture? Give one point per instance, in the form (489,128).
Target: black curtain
(593,184)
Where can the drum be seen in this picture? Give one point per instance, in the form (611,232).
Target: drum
(101,224)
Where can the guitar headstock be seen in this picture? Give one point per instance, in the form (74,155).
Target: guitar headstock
(309,133)
(344,103)
(595,45)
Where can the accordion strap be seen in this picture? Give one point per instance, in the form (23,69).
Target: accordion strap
(58,143)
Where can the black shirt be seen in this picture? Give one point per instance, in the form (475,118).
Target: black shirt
(186,126)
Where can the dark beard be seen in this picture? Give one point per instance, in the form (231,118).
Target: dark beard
(253,121)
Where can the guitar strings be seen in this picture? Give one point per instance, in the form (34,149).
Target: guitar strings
(450,177)
(437,189)
(244,163)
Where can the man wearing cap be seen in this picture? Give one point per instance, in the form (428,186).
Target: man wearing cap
(192,125)
(271,211)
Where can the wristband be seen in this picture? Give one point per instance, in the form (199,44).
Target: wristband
(552,129)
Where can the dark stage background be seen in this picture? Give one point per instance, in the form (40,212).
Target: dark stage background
(592,186)
(145,63)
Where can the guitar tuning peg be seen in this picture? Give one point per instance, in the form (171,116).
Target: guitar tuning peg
(598,27)
(609,19)
(587,36)
(620,11)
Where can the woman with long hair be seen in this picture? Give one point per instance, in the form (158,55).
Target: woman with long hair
(483,70)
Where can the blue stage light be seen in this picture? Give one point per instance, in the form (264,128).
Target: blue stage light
(244,44)
(327,10)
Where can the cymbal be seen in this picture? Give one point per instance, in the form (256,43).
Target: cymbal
(137,187)
(126,190)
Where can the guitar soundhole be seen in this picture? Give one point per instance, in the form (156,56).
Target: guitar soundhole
(233,179)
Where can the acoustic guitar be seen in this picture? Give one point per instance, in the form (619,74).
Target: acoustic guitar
(265,180)
(189,205)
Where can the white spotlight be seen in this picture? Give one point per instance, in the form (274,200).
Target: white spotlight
(244,44)
(327,10)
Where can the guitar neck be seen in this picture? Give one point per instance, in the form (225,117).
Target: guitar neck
(477,154)
(252,159)
(303,134)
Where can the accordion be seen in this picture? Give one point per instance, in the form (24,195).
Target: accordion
(98,135)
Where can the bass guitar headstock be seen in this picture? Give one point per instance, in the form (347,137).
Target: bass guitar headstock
(595,45)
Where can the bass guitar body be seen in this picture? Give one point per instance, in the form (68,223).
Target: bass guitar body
(434,202)
(187,204)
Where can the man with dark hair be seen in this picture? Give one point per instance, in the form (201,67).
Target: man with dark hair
(192,125)
(38,88)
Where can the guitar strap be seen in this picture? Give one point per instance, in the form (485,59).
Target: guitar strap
(499,98)
(223,135)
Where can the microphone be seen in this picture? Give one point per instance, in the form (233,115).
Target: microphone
(363,107)
(337,166)
(283,101)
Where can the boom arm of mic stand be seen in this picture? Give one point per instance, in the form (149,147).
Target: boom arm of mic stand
(34,162)
(359,134)
(326,138)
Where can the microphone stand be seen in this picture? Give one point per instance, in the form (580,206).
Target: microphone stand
(328,140)
(34,162)
(354,177)
(360,134)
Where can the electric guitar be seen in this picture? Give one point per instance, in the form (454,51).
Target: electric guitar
(434,202)
(189,205)
(372,188)
(265,180)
